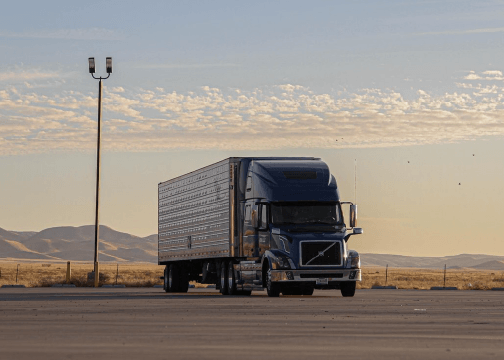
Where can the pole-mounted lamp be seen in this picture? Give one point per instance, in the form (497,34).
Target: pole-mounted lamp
(92,69)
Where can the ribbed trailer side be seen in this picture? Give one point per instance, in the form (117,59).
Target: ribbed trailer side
(194,214)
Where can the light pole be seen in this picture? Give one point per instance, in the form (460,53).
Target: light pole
(97,227)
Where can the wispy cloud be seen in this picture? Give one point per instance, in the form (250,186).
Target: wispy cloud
(70,34)
(282,116)
(462,32)
(492,75)
(184,66)
(26,75)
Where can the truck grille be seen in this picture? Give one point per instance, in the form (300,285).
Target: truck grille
(321,253)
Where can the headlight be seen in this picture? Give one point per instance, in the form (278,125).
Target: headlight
(283,262)
(353,260)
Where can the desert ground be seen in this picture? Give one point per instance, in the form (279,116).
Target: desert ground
(43,274)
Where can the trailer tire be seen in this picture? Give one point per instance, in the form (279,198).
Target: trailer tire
(173,278)
(272,288)
(348,289)
(165,279)
(231,280)
(223,279)
(183,285)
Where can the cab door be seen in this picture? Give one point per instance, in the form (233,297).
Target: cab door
(249,231)
(263,233)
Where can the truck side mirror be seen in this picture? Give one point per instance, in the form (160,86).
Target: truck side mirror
(353,215)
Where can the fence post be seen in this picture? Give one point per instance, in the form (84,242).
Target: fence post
(444,277)
(17,273)
(69,272)
(386,274)
(117,273)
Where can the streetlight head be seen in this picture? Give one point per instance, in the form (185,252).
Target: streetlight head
(109,65)
(91,65)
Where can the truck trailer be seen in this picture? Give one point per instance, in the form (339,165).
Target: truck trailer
(255,223)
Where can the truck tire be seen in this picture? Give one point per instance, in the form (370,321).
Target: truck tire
(183,283)
(231,280)
(223,279)
(165,279)
(173,278)
(308,291)
(348,289)
(272,288)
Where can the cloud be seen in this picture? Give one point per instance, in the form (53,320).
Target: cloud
(69,34)
(26,75)
(282,116)
(462,32)
(493,72)
(184,66)
(472,76)
(490,75)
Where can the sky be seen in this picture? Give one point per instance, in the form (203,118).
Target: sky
(405,97)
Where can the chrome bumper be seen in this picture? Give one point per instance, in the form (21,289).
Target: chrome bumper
(318,276)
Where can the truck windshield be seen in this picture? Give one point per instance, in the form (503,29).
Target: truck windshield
(306,213)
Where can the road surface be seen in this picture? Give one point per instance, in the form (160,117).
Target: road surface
(146,323)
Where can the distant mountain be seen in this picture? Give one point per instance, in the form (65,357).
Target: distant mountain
(476,261)
(77,244)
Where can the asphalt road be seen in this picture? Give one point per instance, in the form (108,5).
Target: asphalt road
(146,323)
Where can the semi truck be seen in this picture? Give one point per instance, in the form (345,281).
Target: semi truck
(255,223)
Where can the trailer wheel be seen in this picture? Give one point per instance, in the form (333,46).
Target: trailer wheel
(183,282)
(223,279)
(165,279)
(231,280)
(173,278)
(272,288)
(348,289)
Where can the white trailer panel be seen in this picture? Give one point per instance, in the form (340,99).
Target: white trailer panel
(194,214)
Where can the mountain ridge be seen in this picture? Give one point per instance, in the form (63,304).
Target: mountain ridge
(77,244)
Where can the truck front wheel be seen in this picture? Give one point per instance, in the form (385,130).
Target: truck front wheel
(272,288)
(348,289)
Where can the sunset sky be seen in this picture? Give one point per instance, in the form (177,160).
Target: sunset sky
(411,93)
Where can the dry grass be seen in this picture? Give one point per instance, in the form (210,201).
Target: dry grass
(147,275)
(47,274)
(405,278)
